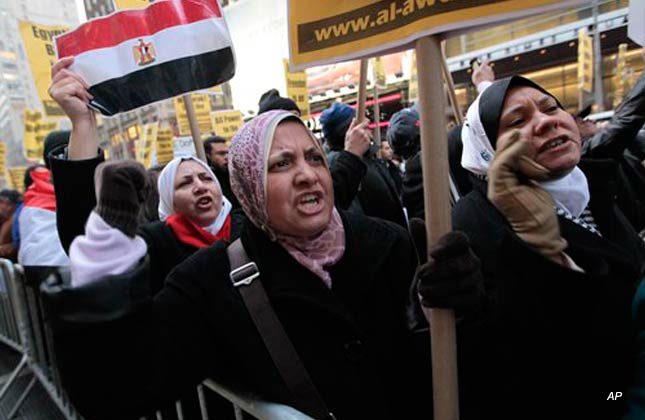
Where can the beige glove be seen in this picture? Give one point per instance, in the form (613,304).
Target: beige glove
(513,189)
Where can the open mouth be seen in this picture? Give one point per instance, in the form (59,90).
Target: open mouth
(310,202)
(553,143)
(204,203)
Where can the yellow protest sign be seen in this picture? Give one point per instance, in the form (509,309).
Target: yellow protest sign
(379,72)
(297,89)
(227,123)
(202,105)
(116,139)
(585,61)
(143,146)
(323,32)
(3,160)
(17,178)
(620,78)
(413,84)
(44,128)
(164,146)
(131,4)
(39,46)
(32,150)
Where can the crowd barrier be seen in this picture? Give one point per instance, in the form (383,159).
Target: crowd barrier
(24,329)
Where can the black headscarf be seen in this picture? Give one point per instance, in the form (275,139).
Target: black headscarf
(492,100)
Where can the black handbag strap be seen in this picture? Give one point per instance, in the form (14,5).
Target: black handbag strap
(244,275)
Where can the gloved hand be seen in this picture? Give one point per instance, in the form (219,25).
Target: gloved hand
(121,189)
(513,189)
(452,278)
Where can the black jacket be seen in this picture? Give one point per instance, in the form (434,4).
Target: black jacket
(120,353)
(549,340)
(622,141)
(368,180)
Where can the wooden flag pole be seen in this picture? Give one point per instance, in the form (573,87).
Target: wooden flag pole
(434,150)
(194,127)
(377,118)
(451,85)
(362,91)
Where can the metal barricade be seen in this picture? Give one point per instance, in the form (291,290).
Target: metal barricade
(245,406)
(255,406)
(31,328)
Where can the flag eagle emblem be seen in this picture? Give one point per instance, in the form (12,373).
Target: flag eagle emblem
(144,52)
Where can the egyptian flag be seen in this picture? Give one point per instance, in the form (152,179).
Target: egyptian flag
(135,57)
(39,243)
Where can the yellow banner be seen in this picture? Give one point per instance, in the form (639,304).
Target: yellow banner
(17,178)
(116,139)
(323,32)
(379,72)
(621,79)
(413,84)
(297,89)
(31,148)
(131,4)
(44,128)
(143,146)
(39,46)
(202,105)
(164,146)
(227,123)
(35,132)
(3,160)
(585,61)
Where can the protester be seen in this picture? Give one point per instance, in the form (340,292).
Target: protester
(551,332)
(405,135)
(193,212)
(386,155)
(361,183)
(338,281)
(271,100)
(39,242)
(216,151)
(622,141)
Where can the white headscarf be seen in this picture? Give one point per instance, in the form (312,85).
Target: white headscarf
(570,193)
(166,185)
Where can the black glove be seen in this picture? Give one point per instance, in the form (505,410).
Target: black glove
(121,189)
(452,278)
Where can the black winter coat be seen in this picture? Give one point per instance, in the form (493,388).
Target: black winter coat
(550,342)
(622,141)
(129,353)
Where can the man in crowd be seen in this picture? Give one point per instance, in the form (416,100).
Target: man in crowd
(361,182)
(386,154)
(216,150)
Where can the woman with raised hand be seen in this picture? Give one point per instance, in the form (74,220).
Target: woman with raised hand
(338,283)
(193,212)
(546,330)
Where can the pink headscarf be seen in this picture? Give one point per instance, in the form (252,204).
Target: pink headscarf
(248,156)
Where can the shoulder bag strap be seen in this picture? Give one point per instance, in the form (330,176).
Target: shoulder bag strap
(245,276)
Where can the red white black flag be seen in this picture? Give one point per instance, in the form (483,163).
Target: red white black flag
(135,57)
